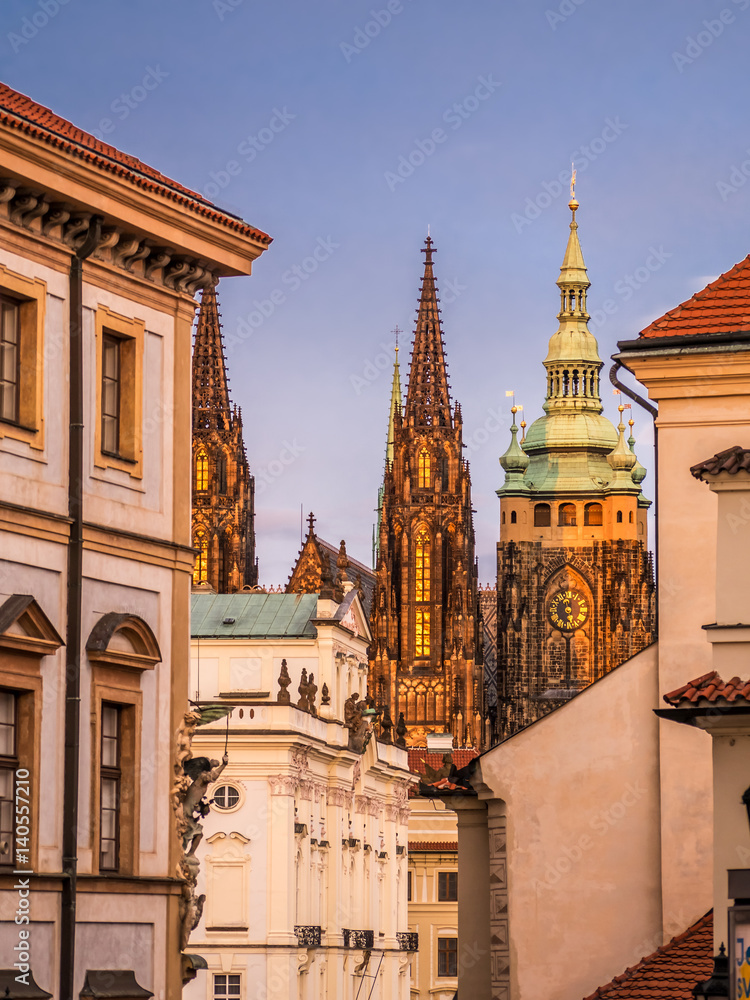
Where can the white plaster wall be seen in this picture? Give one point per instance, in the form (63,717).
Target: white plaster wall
(582,792)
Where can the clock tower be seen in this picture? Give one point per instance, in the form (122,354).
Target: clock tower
(574,576)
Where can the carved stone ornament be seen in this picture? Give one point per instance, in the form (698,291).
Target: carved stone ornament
(283,784)
(337,797)
(299,760)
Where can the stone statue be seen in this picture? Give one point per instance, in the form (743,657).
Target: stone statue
(203,772)
(432,775)
(386,725)
(401,731)
(303,689)
(312,690)
(325,695)
(283,697)
(355,722)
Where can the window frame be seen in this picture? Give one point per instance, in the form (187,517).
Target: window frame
(445,881)
(539,509)
(30,296)
(9,763)
(110,773)
(130,335)
(225,994)
(444,954)
(564,523)
(111,345)
(597,508)
(6,302)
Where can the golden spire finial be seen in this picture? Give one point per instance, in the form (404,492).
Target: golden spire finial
(573,204)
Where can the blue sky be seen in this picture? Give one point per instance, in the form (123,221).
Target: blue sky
(482,105)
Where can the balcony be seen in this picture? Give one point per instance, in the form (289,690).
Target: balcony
(359,939)
(308,937)
(408,940)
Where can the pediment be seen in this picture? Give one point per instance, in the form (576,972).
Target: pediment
(123,640)
(25,627)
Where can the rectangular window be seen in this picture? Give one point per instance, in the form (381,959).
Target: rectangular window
(408,886)
(447,956)
(111,389)
(227,986)
(10,360)
(447,887)
(8,767)
(422,633)
(109,789)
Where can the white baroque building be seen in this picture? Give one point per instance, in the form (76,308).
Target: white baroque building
(304,861)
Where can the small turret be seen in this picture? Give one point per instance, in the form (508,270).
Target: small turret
(515,461)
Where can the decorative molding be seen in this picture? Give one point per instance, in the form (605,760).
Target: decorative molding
(283,784)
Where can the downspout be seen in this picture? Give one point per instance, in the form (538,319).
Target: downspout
(74,614)
(653,411)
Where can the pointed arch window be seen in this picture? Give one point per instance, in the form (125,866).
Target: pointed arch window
(424,466)
(200,566)
(422,581)
(201,470)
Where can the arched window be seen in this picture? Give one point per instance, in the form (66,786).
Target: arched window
(542,515)
(630,517)
(513,517)
(567,515)
(200,566)
(593,515)
(422,589)
(619,517)
(201,470)
(222,473)
(502,518)
(424,469)
(422,595)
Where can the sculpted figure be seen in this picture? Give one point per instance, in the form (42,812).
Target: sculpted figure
(355,722)
(203,772)
(283,697)
(312,690)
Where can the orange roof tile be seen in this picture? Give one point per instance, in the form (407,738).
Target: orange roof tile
(671,972)
(709,688)
(731,461)
(419,756)
(433,846)
(20,112)
(723,306)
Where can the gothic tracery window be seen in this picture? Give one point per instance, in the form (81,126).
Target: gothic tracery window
(424,469)
(200,566)
(201,470)
(422,595)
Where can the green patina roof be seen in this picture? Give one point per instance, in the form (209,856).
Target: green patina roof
(256,616)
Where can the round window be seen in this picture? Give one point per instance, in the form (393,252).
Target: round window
(225,797)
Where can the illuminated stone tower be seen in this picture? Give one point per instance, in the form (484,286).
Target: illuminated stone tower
(424,655)
(223,489)
(574,577)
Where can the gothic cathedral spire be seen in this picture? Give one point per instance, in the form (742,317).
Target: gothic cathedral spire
(223,489)
(425,658)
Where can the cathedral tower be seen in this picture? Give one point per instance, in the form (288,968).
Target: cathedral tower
(425,659)
(223,489)
(574,578)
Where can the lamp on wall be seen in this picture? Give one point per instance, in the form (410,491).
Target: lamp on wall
(718,984)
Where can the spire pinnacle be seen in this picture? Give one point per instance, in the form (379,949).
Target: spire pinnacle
(211,406)
(427,396)
(396,404)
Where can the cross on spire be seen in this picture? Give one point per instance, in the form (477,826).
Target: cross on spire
(428,396)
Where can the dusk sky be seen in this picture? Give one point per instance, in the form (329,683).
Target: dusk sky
(344,128)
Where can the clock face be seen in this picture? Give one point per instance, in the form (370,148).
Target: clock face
(568,610)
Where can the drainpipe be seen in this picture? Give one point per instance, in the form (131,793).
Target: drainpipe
(652,410)
(73,633)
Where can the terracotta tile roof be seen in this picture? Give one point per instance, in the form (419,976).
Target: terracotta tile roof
(419,756)
(671,972)
(732,460)
(19,112)
(709,688)
(723,306)
(433,846)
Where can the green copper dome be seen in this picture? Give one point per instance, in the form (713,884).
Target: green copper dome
(569,448)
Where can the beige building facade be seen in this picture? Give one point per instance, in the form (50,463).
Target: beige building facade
(304,861)
(101,256)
